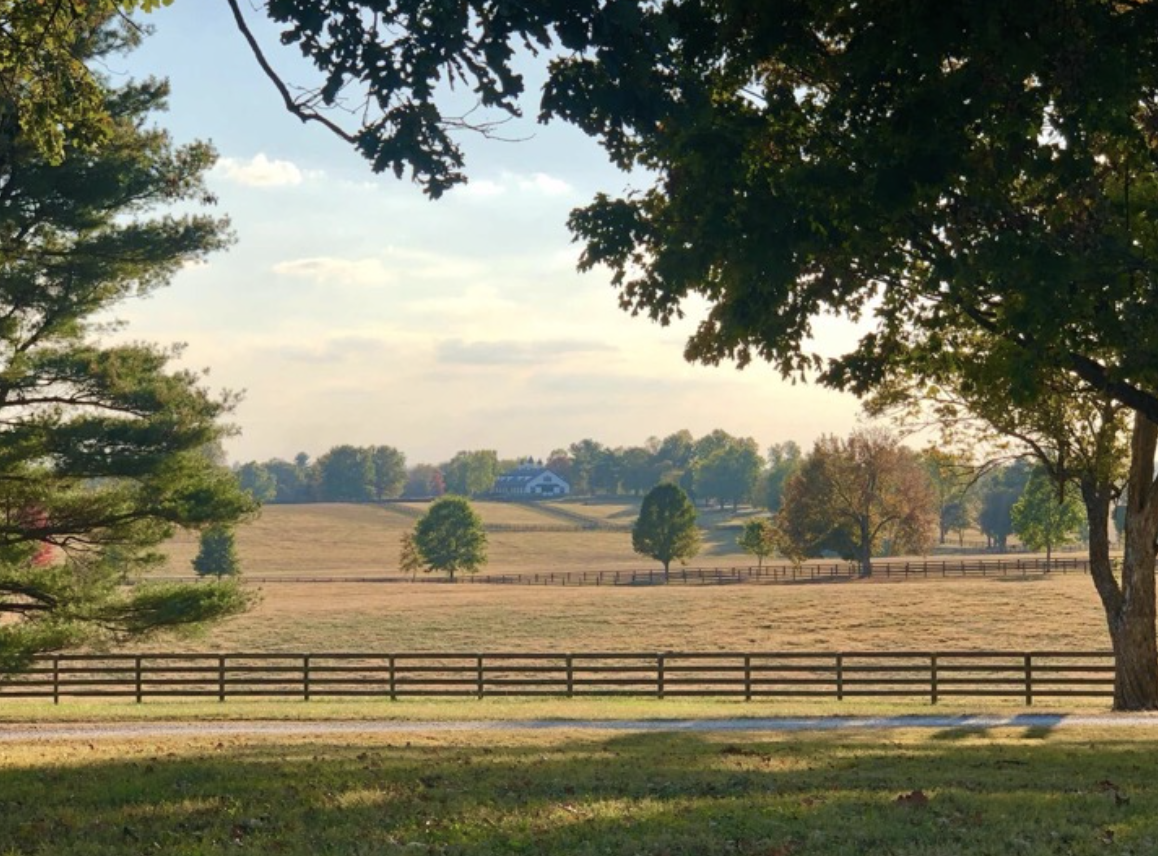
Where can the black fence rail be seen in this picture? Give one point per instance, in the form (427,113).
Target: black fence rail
(769,574)
(931,676)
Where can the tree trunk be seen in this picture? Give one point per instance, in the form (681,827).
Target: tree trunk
(1130,603)
(666,576)
(866,550)
(452,574)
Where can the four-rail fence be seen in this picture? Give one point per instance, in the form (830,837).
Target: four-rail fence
(932,676)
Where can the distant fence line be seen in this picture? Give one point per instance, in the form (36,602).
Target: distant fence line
(934,676)
(809,572)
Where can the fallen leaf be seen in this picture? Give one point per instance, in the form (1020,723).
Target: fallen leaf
(913,799)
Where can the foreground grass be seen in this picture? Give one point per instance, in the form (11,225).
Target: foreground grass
(457,710)
(945,793)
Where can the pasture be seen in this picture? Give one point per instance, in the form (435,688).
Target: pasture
(950,792)
(1052,612)
(358,540)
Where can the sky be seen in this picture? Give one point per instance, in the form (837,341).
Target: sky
(352,309)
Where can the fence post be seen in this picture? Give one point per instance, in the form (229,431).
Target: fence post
(659,658)
(1029,680)
(221,678)
(747,677)
(56,679)
(137,677)
(840,677)
(306,678)
(479,668)
(570,676)
(932,679)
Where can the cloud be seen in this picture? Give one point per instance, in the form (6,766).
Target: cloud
(545,184)
(483,189)
(506,353)
(537,184)
(341,349)
(261,171)
(328,270)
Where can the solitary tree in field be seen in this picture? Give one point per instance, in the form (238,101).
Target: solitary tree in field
(217,555)
(666,526)
(1042,519)
(450,537)
(854,496)
(409,559)
(758,539)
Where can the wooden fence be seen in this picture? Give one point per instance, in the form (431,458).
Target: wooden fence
(766,676)
(769,574)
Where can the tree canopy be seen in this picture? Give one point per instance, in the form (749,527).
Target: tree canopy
(450,537)
(1046,516)
(666,527)
(102,446)
(859,497)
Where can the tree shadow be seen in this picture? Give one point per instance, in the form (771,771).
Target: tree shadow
(635,793)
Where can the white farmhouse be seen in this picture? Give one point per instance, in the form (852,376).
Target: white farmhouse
(530,481)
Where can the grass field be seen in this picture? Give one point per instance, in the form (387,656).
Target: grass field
(950,793)
(1058,612)
(352,540)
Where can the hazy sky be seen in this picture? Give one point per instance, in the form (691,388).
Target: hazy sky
(353,309)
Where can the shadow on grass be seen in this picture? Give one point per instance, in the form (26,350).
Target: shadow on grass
(625,794)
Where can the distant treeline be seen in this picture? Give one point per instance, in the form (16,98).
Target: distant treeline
(715,468)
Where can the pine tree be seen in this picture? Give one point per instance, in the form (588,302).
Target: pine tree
(217,555)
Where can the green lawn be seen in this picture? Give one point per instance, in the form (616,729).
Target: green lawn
(580,792)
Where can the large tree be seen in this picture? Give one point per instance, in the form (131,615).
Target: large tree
(101,444)
(345,474)
(859,497)
(450,537)
(666,527)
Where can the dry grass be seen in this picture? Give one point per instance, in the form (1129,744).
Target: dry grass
(1060,612)
(359,540)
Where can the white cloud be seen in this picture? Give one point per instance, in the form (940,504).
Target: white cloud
(536,183)
(507,352)
(261,171)
(547,185)
(327,270)
(483,189)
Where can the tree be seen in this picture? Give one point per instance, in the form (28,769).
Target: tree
(951,477)
(729,472)
(471,473)
(760,538)
(423,481)
(859,497)
(999,490)
(450,537)
(1044,519)
(257,481)
(666,527)
(409,558)
(783,461)
(389,467)
(217,554)
(293,480)
(950,170)
(103,441)
(345,474)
